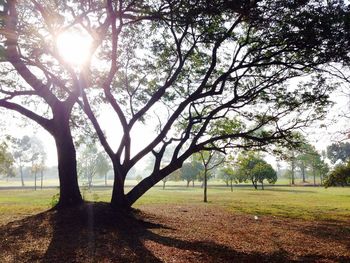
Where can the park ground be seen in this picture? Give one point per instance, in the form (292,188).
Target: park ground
(279,224)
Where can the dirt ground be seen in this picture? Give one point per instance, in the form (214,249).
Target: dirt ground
(170,233)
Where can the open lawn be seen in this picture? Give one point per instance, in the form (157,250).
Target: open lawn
(278,224)
(293,202)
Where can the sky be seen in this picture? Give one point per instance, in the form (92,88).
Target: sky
(320,134)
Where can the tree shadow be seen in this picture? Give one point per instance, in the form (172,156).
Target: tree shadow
(328,231)
(100,234)
(296,191)
(95,232)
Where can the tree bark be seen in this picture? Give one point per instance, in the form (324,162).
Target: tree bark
(35,181)
(293,168)
(67,163)
(231,186)
(41,179)
(21,172)
(148,182)
(205,185)
(303,173)
(314,174)
(262,185)
(118,196)
(255,185)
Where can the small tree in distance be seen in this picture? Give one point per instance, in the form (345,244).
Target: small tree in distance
(210,160)
(252,167)
(6,161)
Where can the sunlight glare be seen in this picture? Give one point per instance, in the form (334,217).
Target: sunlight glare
(74,47)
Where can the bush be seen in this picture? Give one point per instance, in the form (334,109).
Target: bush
(340,176)
(54,200)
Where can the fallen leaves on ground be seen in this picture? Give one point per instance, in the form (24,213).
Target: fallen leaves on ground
(170,233)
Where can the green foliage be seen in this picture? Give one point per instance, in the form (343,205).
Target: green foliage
(230,176)
(338,151)
(91,162)
(252,167)
(191,170)
(6,161)
(103,164)
(54,200)
(339,176)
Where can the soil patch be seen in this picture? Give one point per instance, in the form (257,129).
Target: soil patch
(170,233)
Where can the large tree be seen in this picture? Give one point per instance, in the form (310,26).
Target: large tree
(212,74)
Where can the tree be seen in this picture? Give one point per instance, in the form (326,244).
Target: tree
(214,73)
(37,158)
(339,176)
(304,158)
(6,161)
(190,170)
(338,151)
(308,159)
(210,160)
(210,70)
(21,153)
(88,161)
(230,176)
(103,166)
(263,171)
(252,167)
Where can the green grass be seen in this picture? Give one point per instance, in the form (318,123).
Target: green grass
(294,202)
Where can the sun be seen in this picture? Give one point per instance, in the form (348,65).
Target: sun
(74,46)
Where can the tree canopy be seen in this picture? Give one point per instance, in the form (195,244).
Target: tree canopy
(213,75)
(338,151)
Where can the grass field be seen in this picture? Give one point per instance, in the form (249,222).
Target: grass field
(292,202)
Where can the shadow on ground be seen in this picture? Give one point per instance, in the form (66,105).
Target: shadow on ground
(96,233)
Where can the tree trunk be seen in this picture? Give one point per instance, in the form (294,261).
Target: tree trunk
(118,196)
(192,183)
(303,173)
(105,179)
(67,165)
(262,185)
(255,185)
(35,181)
(21,172)
(205,185)
(188,184)
(231,186)
(41,179)
(293,167)
(164,185)
(150,181)
(314,175)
